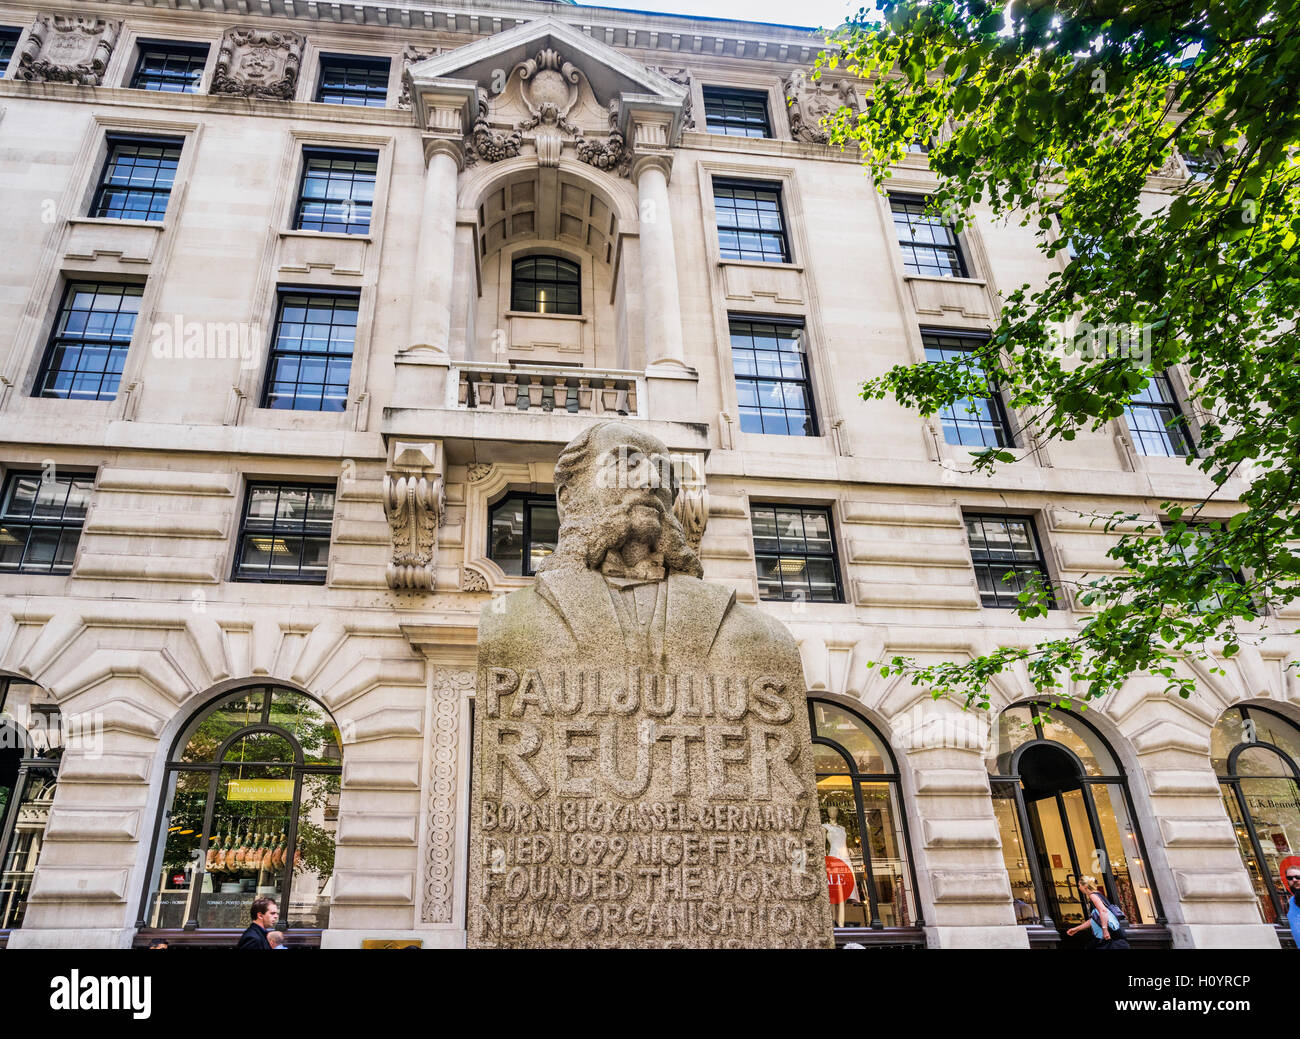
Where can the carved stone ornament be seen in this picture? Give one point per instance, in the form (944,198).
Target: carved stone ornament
(477,471)
(612,154)
(487,144)
(67,50)
(812,100)
(258,63)
(472,581)
(450,686)
(412,56)
(414,502)
(691,506)
(682,78)
(1171,168)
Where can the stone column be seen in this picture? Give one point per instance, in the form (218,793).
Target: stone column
(662,305)
(430,328)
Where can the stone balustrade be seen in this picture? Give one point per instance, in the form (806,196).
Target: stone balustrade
(545,388)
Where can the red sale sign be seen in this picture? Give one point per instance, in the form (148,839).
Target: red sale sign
(839,878)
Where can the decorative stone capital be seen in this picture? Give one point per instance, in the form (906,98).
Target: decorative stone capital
(444,146)
(444,107)
(67,50)
(258,63)
(414,502)
(663,162)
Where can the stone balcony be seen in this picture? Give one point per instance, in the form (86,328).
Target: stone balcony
(548,388)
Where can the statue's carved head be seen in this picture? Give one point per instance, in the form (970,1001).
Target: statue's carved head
(614,490)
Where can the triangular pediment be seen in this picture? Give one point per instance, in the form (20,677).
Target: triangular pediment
(486,62)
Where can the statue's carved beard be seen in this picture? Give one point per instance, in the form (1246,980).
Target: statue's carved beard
(630,541)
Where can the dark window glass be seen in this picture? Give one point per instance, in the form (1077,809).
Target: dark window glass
(137,178)
(31,746)
(311,353)
(88,346)
(1201,165)
(1156,421)
(750,222)
(919,146)
(772,385)
(337,191)
(1006,553)
(928,243)
(8,42)
(736,113)
(350,80)
(285,534)
(546,285)
(794,548)
(174,68)
(41,516)
(522,532)
(970,422)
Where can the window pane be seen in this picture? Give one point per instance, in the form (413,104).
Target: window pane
(1123,853)
(795,553)
(273,545)
(1016,852)
(851,733)
(181,850)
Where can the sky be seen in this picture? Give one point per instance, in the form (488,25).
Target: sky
(809,13)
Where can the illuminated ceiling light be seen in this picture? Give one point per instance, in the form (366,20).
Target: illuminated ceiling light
(276,546)
(791,566)
(6,538)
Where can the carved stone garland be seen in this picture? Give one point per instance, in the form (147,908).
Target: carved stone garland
(414,504)
(449,687)
(67,50)
(258,63)
(812,100)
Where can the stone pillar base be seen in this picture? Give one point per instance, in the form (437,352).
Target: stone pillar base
(350,938)
(671,393)
(71,938)
(420,379)
(1218,936)
(1013,937)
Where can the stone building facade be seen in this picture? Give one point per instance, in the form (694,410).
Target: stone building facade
(281,397)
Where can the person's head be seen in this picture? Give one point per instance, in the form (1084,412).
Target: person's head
(1293,879)
(1087,885)
(614,492)
(158,943)
(264,912)
(276,938)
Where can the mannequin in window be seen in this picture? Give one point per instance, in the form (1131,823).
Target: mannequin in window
(837,847)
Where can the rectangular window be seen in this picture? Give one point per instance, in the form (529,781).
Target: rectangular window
(41,516)
(137,178)
(522,531)
(337,192)
(285,533)
(351,80)
(1201,165)
(1156,421)
(173,68)
(1205,535)
(751,225)
(928,243)
(87,348)
(8,44)
(1006,553)
(969,422)
(772,384)
(736,113)
(794,548)
(311,351)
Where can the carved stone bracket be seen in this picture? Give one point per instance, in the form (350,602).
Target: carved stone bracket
(812,100)
(67,50)
(682,78)
(415,502)
(410,56)
(691,506)
(258,63)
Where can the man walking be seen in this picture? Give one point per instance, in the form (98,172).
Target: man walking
(1292,908)
(265,913)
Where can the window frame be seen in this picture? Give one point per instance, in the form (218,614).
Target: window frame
(175,47)
(252,483)
(370,61)
(746,97)
(309,152)
(529,500)
(52,341)
(814,427)
(775,187)
(1139,436)
(1001,416)
(956,249)
(114,139)
(1040,565)
(833,555)
(518,259)
(18,473)
(6,32)
(281,292)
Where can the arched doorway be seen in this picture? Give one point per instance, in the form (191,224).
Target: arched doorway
(249,809)
(861,805)
(1255,753)
(31,746)
(1064,810)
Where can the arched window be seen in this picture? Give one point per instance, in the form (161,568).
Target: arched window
(861,813)
(250,807)
(1255,753)
(1063,807)
(31,745)
(545,285)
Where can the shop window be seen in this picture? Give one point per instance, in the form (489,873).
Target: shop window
(868,865)
(545,285)
(285,533)
(751,224)
(352,80)
(773,389)
(522,531)
(1256,755)
(736,113)
(173,68)
(794,550)
(929,244)
(41,516)
(1063,808)
(1156,422)
(87,348)
(250,808)
(337,192)
(31,746)
(311,351)
(972,421)
(1007,557)
(136,182)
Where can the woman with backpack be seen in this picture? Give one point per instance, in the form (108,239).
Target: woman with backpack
(1103,918)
